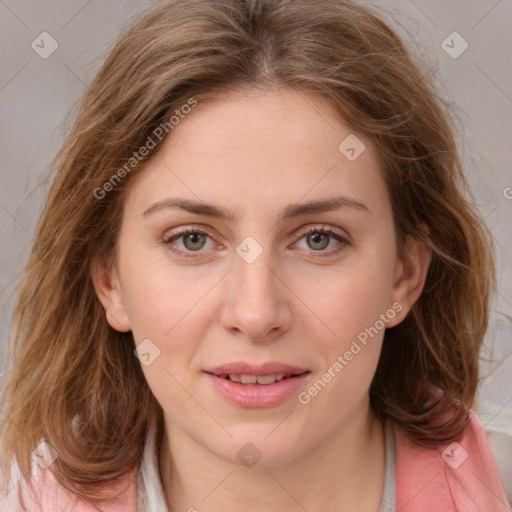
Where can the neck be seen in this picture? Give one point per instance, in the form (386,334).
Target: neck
(340,473)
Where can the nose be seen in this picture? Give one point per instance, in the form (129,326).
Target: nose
(257,304)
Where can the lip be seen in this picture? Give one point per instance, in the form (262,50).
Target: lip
(242,368)
(257,396)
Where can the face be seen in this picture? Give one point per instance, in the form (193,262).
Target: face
(270,284)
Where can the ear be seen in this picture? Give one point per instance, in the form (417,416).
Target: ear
(106,283)
(409,277)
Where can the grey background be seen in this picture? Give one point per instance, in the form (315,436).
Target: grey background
(36,96)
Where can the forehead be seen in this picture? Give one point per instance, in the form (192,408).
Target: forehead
(258,149)
(280,122)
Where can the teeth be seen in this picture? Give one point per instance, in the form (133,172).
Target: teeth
(266,379)
(248,379)
(256,379)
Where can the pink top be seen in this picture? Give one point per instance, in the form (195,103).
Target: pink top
(458,477)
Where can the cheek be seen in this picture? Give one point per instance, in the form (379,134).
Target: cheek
(174,321)
(159,296)
(352,307)
(352,299)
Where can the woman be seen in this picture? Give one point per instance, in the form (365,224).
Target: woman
(256,284)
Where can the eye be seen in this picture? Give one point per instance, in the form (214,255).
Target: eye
(319,238)
(193,241)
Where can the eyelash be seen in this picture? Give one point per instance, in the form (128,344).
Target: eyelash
(315,229)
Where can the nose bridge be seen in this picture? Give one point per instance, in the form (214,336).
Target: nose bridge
(256,278)
(255,275)
(254,262)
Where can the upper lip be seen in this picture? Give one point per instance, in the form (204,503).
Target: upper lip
(242,368)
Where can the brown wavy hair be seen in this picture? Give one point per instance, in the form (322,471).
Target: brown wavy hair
(69,365)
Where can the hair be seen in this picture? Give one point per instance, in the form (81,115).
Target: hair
(75,381)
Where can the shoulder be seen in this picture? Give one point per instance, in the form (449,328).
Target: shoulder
(456,476)
(50,495)
(496,420)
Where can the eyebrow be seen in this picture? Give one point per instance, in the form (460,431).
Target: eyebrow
(290,211)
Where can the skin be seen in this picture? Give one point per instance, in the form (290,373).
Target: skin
(254,153)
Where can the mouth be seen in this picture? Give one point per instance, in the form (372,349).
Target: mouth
(257,380)
(263,374)
(248,385)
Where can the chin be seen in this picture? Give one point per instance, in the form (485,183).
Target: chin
(259,451)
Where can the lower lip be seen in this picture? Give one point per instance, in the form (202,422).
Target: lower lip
(257,395)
